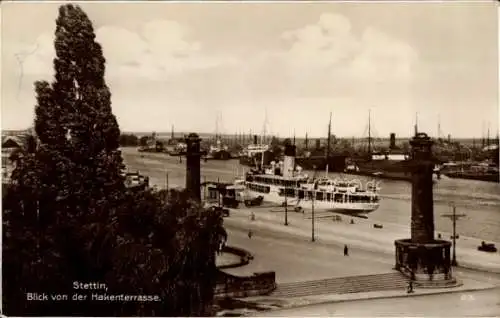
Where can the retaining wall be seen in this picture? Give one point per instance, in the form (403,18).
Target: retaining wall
(229,285)
(245,257)
(245,286)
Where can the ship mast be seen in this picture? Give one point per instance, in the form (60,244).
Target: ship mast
(263,137)
(416,124)
(488,136)
(329,137)
(217,127)
(369,133)
(439,128)
(483,142)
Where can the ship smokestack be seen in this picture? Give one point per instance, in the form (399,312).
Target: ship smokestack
(254,139)
(392,144)
(289,161)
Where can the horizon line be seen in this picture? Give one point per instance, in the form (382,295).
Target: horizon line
(176,135)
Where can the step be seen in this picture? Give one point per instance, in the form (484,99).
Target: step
(341,281)
(342,285)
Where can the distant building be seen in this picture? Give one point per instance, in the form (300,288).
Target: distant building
(390,156)
(10,144)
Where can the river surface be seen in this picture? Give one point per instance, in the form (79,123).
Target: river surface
(478,200)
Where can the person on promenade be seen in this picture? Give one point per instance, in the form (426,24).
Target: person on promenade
(250,233)
(346,251)
(410,287)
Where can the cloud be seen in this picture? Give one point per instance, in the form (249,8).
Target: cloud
(158,49)
(329,49)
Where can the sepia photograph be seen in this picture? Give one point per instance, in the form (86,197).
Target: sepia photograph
(250,158)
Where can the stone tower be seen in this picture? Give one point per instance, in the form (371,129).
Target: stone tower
(193,155)
(421,257)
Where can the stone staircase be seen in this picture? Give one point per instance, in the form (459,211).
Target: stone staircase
(342,285)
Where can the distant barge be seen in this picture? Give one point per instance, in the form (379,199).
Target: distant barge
(489,177)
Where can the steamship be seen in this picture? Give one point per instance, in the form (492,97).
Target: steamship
(285,183)
(256,154)
(219,151)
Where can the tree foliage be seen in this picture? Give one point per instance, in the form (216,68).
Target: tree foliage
(67,216)
(143,141)
(129,140)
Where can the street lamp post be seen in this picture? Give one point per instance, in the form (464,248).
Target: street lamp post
(286,207)
(312,206)
(312,218)
(454,217)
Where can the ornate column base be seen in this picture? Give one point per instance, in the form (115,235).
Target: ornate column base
(427,264)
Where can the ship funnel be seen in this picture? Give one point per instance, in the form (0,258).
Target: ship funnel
(254,139)
(289,161)
(392,142)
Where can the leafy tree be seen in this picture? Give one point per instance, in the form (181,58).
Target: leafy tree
(68,217)
(129,140)
(287,142)
(143,141)
(276,146)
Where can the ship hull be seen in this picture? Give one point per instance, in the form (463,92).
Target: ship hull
(330,206)
(486,177)
(219,155)
(335,163)
(257,159)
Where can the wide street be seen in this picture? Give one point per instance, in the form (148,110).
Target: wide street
(484,303)
(372,244)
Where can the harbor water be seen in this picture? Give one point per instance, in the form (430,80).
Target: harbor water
(478,200)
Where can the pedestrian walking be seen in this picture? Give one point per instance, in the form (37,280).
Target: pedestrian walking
(250,234)
(346,251)
(410,287)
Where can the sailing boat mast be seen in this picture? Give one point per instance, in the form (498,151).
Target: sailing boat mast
(488,136)
(483,141)
(369,133)
(217,127)
(263,137)
(329,137)
(439,128)
(416,124)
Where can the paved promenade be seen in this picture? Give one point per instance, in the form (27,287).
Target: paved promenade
(379,243)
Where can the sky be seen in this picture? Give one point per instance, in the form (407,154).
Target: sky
(187,64)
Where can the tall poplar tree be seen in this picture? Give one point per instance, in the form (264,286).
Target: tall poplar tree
(67,190)
(67,216)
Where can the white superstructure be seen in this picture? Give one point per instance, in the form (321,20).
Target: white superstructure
(284,182)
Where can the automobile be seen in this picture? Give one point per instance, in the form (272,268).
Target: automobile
(230,202)
(224,211)
(487,247)
(255,201)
